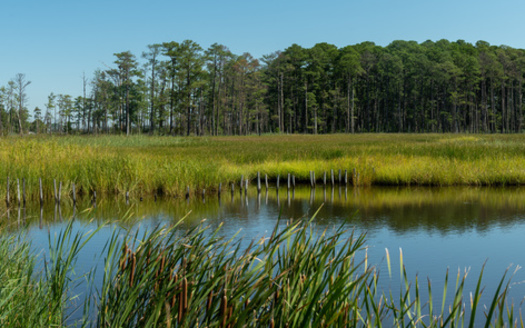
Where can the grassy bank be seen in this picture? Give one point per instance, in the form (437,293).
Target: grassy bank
(167,165)
(297,276)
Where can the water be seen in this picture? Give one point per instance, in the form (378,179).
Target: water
(436,228)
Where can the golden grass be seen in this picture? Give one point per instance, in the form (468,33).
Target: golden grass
(145,165)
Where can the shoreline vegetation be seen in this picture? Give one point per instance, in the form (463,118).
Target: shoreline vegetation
(149,165)
(298,276)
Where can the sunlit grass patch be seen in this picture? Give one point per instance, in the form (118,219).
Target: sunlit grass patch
(167,165)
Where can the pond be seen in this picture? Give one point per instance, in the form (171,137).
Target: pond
(454,228)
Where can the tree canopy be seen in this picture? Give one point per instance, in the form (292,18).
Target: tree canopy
(182,89)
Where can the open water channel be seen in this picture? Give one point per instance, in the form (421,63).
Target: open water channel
(436,228)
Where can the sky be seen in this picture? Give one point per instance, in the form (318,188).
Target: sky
(55,42)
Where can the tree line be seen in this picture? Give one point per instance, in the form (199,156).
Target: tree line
(177,88)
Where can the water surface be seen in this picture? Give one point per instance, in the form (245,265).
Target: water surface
(436,228)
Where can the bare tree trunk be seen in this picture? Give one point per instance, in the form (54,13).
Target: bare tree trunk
(306,107)
(281,104)
(127,111)
(152,102)
(352,111)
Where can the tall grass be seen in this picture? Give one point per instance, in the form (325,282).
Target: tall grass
(42,297)
(167,165)
(297,276)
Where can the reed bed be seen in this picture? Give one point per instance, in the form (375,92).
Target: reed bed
(297,276)
(43,297)
(168,165)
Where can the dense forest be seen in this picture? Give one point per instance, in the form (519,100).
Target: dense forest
(182,89)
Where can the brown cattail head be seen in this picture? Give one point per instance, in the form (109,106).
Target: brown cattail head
(185,292)
(129,256)
(162,263)
(124,258)
(224,307)
(133,267)
(173,298)
(149,257)
(181,306)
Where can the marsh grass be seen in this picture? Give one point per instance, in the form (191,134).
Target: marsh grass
(34,294)
(297,276)
(167,165)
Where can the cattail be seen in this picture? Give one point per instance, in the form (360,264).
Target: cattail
(181,305)
(129,256)
(224,305)
(272,323)
(125,252)
(133,266)
(173,299)
(162,263)
(190,283)
(230,315)
(148,258)
(209,302)
(185,293)
(124,257)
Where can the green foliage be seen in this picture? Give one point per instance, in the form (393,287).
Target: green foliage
(439,86)
(297,276)
(167,165)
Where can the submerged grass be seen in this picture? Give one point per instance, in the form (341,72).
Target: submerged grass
(297,276)
(167,165)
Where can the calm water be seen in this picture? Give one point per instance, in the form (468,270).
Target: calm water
(436,228)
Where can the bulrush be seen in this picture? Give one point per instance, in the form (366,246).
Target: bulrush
(300,277)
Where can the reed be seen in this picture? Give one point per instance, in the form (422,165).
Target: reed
(39,298)
(298,276)
(166,165)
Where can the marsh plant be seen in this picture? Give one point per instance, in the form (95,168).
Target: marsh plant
(296,276)
(168,165)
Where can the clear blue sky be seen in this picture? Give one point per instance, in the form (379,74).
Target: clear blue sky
(54,42)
